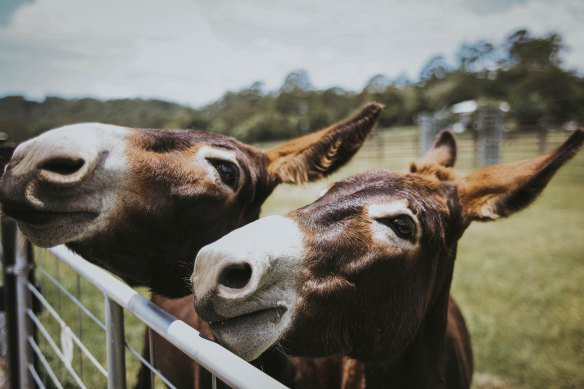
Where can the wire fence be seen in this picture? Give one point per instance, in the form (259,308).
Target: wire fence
(67,339)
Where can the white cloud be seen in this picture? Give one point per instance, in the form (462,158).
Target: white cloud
(193,51)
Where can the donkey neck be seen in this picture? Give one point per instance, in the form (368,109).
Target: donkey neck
(423,363)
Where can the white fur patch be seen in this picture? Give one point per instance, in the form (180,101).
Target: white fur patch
(209,152)
(273,247)
(95,188)
(386,234)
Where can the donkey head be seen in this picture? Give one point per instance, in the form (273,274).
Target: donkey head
(359,271)
(142,202)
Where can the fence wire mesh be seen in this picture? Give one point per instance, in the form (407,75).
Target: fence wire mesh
(84,327)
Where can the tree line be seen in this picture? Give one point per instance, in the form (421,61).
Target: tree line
(524,70)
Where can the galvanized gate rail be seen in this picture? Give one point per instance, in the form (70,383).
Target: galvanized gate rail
(118,296)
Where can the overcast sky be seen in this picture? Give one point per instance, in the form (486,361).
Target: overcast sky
(192,51)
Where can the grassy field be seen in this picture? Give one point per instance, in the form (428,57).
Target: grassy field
(519,281)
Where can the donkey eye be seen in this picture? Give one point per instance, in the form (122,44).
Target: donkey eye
(402,225)
(227,171)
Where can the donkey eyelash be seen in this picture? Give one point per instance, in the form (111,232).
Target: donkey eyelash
(403,226)
(228,171)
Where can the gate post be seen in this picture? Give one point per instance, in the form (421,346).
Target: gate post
(22,269)
(114,333)
(10,301)
(426,132)
(489,126)
(17,302)
(430,126)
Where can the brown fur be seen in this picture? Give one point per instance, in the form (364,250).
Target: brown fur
(297,155)
(171,209)
(294,152)
(313,156)
(388,308)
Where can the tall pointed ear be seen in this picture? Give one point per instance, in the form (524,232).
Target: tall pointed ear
(500,190)
(442,152)
(316,155)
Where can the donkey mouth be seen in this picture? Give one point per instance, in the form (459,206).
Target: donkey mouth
(272,314)
(29,215)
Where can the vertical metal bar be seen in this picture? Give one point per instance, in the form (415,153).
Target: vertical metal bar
(114,333)
(10,300)
(41,265)
(36,306)
(22,270)
(58,277)
(542,137)
(151,352)
(79,326)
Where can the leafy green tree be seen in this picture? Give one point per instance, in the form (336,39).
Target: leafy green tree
(435,69)
(474,57)
(377,84)
(534,53)
(293,94)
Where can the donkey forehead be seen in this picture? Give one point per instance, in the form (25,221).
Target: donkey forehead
(179,152)
(177,141)
(379,188)
(351,205)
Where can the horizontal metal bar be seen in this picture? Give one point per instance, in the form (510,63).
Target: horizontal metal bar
(62,323)
(55,348)
(231,369)
(73,298)
(44,362)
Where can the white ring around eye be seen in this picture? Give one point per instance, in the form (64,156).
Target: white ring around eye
(206,154)
(382,232)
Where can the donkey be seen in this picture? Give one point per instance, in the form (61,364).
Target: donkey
(141,203)
(365,270)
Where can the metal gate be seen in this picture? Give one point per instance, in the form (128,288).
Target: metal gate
(28,363)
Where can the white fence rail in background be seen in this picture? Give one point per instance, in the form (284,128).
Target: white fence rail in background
(118,297)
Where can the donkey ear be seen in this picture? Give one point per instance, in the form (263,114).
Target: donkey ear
(316,155)
(442,152)
(500,190)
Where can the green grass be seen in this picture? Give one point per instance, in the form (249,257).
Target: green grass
(519,281)
(92,335)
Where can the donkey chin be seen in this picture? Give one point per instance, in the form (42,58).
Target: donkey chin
(59,227)
(262,328)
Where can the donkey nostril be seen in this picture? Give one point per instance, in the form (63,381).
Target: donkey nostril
(62,165)
(235,276)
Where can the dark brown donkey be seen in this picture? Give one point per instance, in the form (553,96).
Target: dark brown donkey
(141,203)
(365,270)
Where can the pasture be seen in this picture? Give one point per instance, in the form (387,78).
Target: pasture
(518,281)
